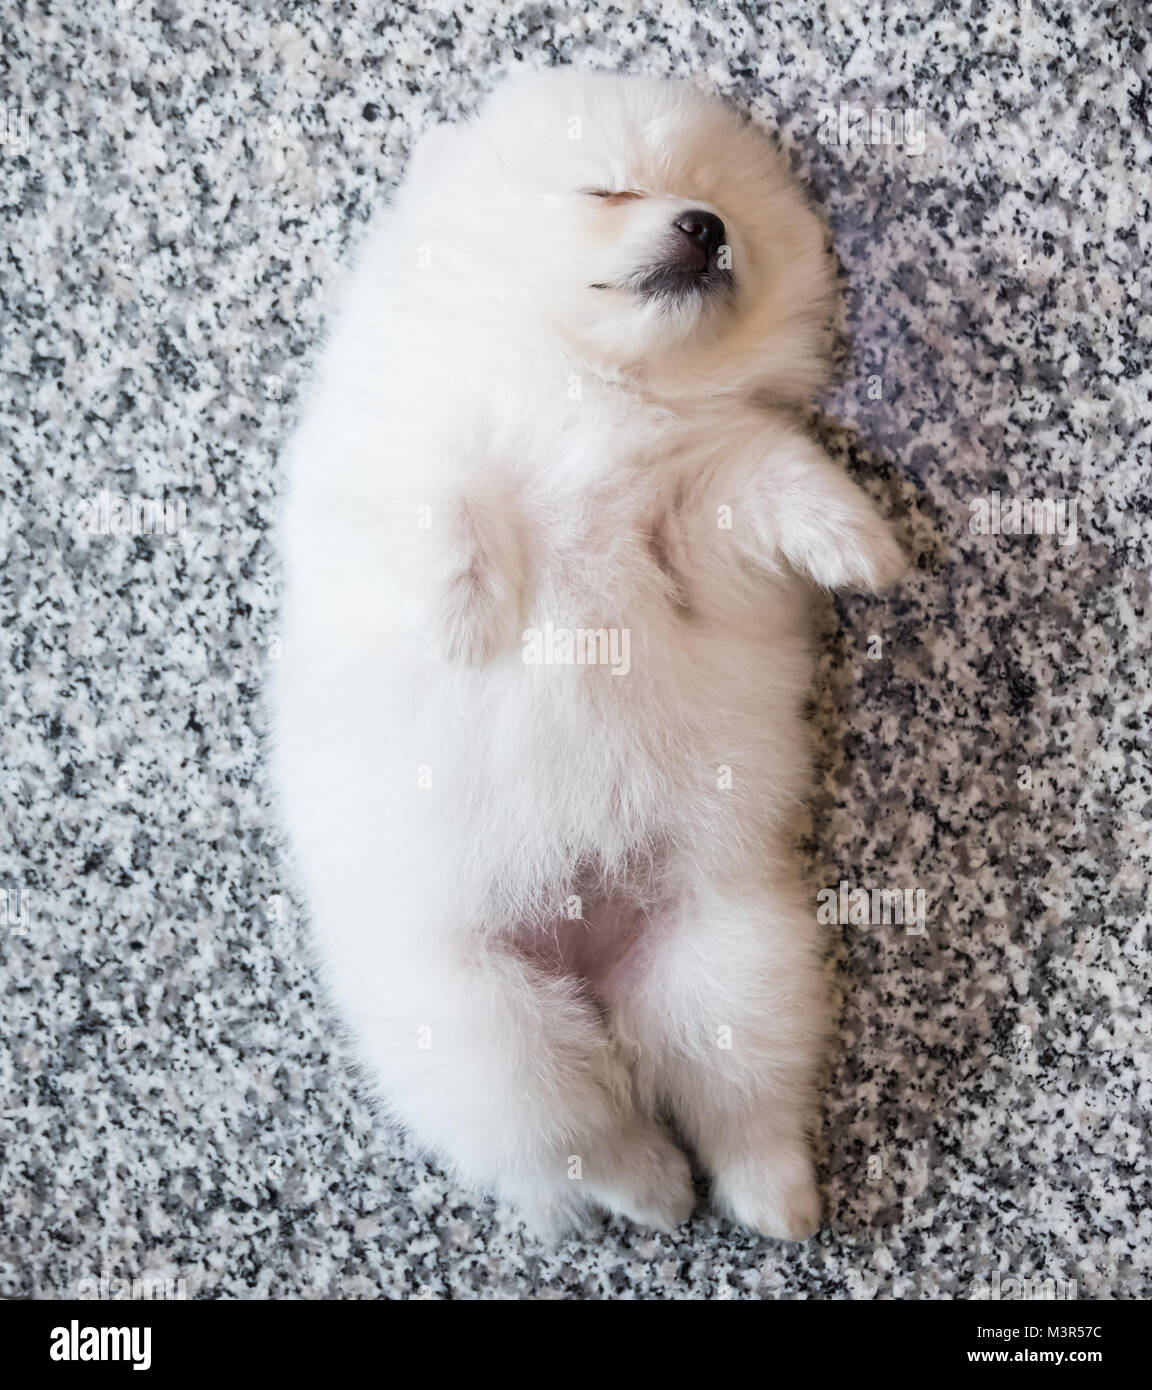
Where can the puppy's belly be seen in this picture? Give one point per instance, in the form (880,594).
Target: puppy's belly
(602,947)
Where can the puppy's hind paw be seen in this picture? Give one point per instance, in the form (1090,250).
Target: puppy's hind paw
(647,1179)
(551,1221)
(778,1198)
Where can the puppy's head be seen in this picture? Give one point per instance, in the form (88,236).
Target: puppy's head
(643,221)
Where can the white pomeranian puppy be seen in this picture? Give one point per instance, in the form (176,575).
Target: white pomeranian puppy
(549,531)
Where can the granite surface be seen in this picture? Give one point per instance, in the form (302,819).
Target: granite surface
(179,184)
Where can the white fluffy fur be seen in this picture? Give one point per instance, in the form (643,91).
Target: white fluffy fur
(556,904)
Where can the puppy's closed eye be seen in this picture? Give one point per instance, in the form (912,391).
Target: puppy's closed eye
(608,196)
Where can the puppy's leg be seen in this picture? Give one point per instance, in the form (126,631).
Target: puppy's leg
(727,1011)
(508,1074)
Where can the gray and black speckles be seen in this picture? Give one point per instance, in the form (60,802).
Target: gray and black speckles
(179,186)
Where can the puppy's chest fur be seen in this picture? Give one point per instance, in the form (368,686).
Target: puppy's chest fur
(618,525)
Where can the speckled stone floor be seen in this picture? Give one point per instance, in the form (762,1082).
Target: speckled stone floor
(179,185)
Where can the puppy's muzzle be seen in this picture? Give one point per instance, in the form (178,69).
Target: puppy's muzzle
(690,266)
(703,236)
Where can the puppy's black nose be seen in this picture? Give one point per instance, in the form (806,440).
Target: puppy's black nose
(704,230)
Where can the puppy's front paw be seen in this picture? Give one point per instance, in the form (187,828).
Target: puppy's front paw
(863,555)
(829,528)
(776,1196)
